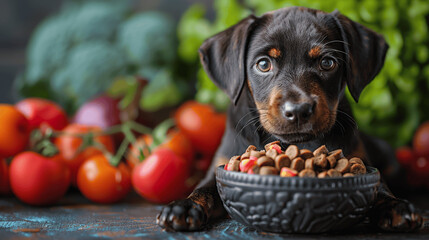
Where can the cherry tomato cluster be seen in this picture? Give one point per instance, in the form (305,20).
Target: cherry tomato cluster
(415,159)
(33,178)
(162,164)
(174,167)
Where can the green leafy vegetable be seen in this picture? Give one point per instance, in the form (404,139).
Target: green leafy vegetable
(82,50)
(163,92)
(148,39)
(88,69)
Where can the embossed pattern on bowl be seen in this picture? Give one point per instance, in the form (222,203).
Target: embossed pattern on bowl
(297,205)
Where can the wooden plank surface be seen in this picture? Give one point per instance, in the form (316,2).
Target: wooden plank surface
(77,218)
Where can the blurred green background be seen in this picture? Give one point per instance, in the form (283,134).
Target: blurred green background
(91,47)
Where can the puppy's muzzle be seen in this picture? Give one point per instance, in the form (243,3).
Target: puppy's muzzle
(298,111)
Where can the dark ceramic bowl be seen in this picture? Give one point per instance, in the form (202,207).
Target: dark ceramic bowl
(297,205)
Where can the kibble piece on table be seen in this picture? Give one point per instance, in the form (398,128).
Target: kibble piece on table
(293,162)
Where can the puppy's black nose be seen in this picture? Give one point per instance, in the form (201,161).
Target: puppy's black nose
(298,111)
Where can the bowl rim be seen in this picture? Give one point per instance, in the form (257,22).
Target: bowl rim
(240,179)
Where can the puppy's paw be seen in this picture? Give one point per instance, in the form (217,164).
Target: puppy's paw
(182,215)
(398,216)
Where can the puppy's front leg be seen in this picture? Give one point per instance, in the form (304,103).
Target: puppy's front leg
(194,212)
(394,214)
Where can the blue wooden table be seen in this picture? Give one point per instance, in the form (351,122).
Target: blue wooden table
(77,218)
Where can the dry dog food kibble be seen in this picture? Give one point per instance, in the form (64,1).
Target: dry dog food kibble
(305,153)
(293,162)
(265,161)
(292,151)
(282,161)
(268,170)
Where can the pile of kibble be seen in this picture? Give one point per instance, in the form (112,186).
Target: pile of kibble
(293,162)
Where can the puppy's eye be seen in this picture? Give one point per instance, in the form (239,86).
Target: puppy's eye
(264,65)
(327,64)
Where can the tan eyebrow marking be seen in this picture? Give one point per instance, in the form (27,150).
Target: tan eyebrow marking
(274,52)
(314,52)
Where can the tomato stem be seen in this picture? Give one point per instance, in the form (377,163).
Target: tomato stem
(138,127)
(102,148)
(41,143)
(116,159)
(110,131)
(128,134)
(87,141)
(160,132)
(129,138)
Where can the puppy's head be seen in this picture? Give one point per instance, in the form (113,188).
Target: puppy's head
(296,63)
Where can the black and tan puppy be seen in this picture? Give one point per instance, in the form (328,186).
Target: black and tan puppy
(286,73)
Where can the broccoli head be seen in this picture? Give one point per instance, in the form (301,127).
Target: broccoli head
(48,48)
(94,20)
(80,51)
(148,39)
(89,69)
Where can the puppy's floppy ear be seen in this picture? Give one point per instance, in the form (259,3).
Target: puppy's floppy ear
(224,56)
(366,49)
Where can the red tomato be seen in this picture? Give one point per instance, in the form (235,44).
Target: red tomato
(161,178)
(69,146)
(133,154)
(202,125)
(405,156)
(420,166)
(4,177)
(179,143)
(38,180)
(101,182)
(14,131)
(41,111)
(421,140)
(176,141)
